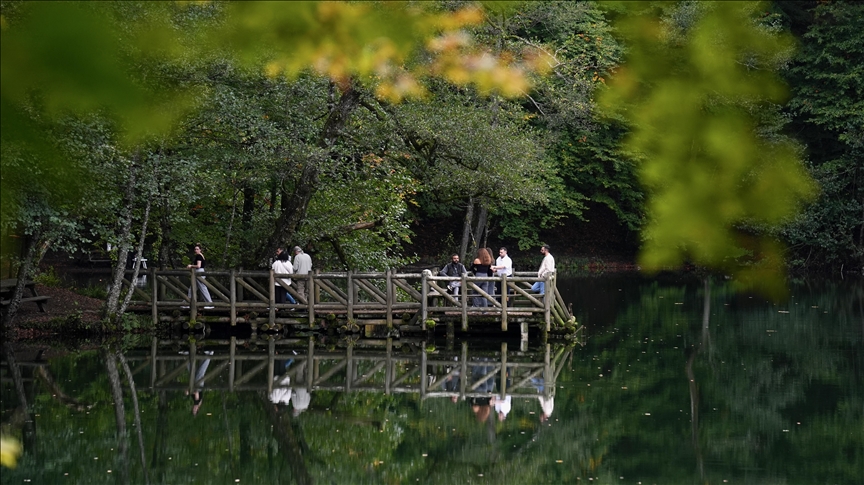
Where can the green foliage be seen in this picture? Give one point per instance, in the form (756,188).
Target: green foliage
(48,277)
(688,89)
(827,115)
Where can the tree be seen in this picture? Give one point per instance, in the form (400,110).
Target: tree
(50,70)
(827,115)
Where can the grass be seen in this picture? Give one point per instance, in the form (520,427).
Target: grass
(97,292)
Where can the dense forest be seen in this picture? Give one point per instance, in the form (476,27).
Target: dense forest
(726,135)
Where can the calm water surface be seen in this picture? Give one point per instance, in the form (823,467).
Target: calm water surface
(676,383)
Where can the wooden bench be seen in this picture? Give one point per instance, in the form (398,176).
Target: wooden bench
(7,287)
(39,300)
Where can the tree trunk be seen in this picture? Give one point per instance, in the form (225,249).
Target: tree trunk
(166,248)
(230,230)
(119,415)
(290,218)
(139,253)
(481,231)
(137,410)
(248,207)
(28,422)
(31,249)
(466,231)
(113,302)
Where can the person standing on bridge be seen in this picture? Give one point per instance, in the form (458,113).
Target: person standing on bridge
(302,265)
(282,265)
(198,264)
(547,267)
(503,267)
(483,267)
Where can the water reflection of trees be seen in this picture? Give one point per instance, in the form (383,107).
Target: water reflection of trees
(748,374)
(240,433)
(713,387)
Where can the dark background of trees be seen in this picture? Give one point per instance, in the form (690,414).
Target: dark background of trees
(361,182)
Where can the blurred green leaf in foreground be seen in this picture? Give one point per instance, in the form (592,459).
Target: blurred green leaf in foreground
(696,85)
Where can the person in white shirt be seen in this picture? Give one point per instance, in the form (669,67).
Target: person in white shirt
(302,265)
(546,267)
(282,265)
(503,266)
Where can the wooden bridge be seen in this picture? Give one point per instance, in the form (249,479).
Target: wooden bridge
(389,298)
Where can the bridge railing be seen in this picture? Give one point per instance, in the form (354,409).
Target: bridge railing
(373,298)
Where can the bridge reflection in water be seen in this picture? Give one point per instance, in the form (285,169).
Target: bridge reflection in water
(386,366)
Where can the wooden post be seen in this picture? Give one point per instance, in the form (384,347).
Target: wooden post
(154,350)
(232,354)
(271,357)
(233,299)
(349,368)
(503,302)
(523,336)
(424,297)
(154,310)
(422,371)
(463,382)
(388,371)
(390,298)
(193,303)
(351,295)
(548,385)
(310,365)
(271,320)
(463,292)
(310,297)
(503,369)
(547,302)
(192,364)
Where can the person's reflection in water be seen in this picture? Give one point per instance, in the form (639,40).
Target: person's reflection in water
(283,393)
(547,404)
(502,406)
(198,387)
(481,407)
(451,384)
(300,400)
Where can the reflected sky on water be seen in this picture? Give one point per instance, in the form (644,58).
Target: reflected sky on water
(678,382)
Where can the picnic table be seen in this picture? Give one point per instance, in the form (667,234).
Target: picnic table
(7,288)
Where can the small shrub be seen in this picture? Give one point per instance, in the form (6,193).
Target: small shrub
(47,278)
(130,322)
(97,292)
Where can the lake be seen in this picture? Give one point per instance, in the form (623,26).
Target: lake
(677,382)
